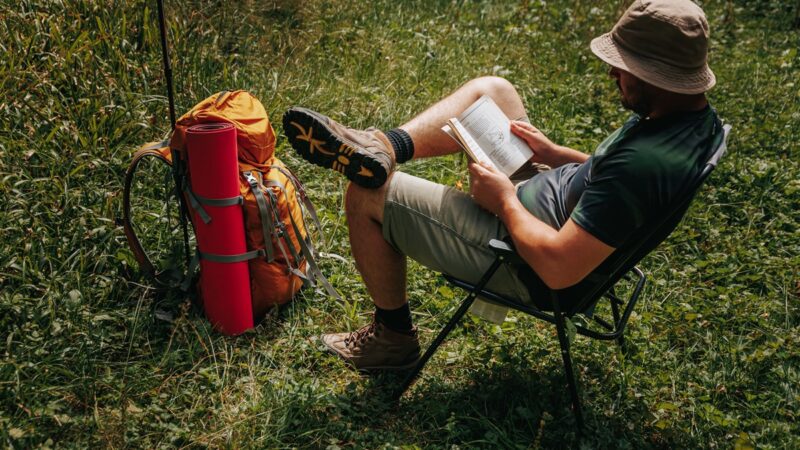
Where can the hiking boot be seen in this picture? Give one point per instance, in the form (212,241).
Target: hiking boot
(365,157)
(375,347)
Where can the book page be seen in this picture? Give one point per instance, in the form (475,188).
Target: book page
(491,130)
(457,131)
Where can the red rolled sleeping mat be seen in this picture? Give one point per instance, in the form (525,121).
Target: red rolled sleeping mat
(225,280)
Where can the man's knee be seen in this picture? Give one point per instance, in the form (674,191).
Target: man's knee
(495,87)
(353,202)
(502,92)
(360,201)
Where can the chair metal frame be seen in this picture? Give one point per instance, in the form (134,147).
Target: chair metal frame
(621,264)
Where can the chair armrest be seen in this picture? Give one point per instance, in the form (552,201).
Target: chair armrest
(505,251)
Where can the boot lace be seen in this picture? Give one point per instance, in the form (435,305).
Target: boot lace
(360,336)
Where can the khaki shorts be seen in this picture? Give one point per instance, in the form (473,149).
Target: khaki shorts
(443,229)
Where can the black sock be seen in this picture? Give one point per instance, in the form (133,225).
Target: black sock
(401,143)
(395,319)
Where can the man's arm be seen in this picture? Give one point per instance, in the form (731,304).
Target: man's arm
(562,257)
(544,150)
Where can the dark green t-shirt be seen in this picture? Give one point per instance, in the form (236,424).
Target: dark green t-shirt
(631,178)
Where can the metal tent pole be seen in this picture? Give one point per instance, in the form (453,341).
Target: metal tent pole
(176,163)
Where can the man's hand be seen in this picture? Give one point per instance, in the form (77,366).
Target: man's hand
(490,188)
(544,150)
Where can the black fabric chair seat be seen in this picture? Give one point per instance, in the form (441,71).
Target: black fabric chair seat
(611,331)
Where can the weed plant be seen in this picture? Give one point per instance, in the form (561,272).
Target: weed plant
(93,356)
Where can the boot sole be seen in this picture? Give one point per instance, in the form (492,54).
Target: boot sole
(320,145)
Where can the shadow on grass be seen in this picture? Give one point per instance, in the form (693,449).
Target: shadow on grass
(505,405)
(496,398)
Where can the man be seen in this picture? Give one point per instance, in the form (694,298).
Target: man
(564,222)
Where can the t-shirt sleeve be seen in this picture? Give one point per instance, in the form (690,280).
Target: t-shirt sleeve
(614,202)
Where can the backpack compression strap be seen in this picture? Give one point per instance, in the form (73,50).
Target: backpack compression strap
(133,241)
(306,248)
(271,224)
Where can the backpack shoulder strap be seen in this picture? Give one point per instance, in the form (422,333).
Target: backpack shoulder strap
(148,151)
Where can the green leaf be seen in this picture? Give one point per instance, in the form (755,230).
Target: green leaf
(743,442)
(571,329)
(667,406)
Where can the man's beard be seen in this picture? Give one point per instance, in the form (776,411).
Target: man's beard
(640,104)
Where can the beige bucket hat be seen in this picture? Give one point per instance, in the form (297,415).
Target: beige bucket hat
(663,42)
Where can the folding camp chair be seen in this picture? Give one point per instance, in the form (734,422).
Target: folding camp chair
(584,296)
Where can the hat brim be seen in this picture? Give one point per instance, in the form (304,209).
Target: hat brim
(655,72)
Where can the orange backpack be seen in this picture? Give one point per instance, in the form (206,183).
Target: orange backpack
(274,202)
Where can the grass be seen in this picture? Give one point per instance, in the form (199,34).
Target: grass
(93,356)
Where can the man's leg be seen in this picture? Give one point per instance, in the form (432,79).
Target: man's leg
(368,157)
(381,266)
(426,128)
(390,341)
(437,225)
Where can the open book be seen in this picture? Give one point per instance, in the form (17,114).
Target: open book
(484,132)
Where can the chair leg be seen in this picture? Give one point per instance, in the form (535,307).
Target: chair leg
(435,345)
(471,296)
(564,343)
